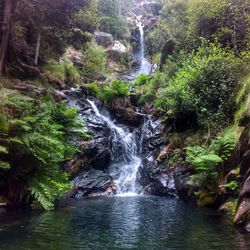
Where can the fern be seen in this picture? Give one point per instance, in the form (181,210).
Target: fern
(208,162)
(117,89)
(37,138)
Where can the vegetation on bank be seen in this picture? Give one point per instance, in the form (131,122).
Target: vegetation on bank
(34,143)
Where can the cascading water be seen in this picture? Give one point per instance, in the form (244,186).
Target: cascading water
(145,66)
(125,156)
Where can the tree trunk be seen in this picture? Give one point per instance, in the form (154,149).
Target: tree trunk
(6,27)
(38,44)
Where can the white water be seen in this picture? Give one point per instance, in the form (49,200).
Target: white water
(124,149)
(125,158)
(145,66)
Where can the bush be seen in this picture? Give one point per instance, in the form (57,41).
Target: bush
(204,85)
(151,87)
(94,61)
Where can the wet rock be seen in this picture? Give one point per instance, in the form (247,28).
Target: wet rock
(159,179)
(125,112)
(135,39)
(243,212)
(98,150)
(93,183)
(104,39)
(243,207)
(152,139)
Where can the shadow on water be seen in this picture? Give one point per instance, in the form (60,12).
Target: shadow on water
(141,222)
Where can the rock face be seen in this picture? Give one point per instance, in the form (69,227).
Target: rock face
(90,169)
(93,183)
(135,39)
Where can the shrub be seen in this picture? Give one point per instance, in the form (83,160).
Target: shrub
(94,61)
(204,85)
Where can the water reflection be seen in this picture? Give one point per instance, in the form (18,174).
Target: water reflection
(124,223)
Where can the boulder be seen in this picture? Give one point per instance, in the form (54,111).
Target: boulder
(119,53)
(93,182)
(243,206)
(104,39)
(125,112)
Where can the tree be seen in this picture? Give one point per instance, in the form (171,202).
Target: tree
(8,9)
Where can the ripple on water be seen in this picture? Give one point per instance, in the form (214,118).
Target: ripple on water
(132,222)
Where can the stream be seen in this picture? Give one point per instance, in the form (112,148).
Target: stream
(127,220)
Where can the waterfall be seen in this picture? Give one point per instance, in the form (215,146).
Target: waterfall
(145,64)
(125,156)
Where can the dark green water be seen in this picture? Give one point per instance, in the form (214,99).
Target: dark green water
(121,223)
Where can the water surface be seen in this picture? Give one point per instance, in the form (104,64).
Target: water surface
(140,222)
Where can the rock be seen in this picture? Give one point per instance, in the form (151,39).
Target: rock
(119,53)
(206,199)
(164,153)
(104,39)
(243,211)
(93,183)
(58,95)
(74,56)
(125,112)
(152,136)
(98,150)
(75,166)
(243,207)
(167,50)
(135,38)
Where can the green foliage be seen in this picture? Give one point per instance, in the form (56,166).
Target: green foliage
(36,144)
(114,25)
(205,85)
(65,72)
(243,99)
(208,161)
(117,89)
(94,61)
(94,89)
(151,87)
(110,20)
(140,80)
(232,185)
(186,21)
